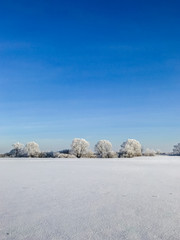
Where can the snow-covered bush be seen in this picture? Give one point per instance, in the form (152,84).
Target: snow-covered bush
(42,155)
(64,155)
(149,152)
(103,147)
(79,147)
(90,154)
(176,149)
(17,150)
(32,149)
(112,155)
(46,155)
(131,148)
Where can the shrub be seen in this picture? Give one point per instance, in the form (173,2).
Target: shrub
(112,155)
(149,152)
(90,154)
(64,155)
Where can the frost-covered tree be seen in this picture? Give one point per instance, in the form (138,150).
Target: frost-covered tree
(32,149)
(158,152)
(176,149)
(103,147)
(149,152)
(17,150)
(131,148)
(79,147)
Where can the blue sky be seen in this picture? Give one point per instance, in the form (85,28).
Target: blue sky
(90,69)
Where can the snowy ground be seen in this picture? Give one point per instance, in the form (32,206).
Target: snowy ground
(97,199)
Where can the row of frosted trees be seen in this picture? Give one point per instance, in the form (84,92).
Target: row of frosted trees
(80,148)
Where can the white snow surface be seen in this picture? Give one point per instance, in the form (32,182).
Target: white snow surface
(83,199)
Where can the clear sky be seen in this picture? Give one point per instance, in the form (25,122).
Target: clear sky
(91,69)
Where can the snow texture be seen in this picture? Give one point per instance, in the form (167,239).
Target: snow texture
(83,199)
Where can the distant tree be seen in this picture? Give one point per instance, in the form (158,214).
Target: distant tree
(176,149)
(131,148)
(79,147)
(158,152)
(103,148)
(17,150)
(32,149)
(66,151)
(149,152)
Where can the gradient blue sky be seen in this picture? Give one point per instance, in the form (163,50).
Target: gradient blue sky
(91,69)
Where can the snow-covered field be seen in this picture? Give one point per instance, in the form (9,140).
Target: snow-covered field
(98,199)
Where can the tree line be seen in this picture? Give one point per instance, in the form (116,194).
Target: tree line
(80,148)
